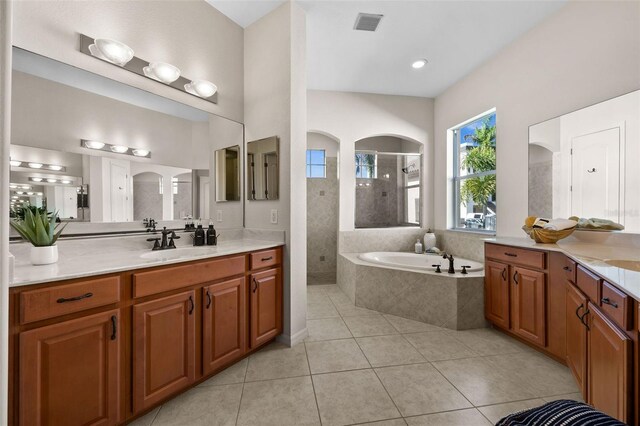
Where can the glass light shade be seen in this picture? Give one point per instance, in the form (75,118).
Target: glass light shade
(120,149)
(20,192)
(419,63)
(35,165)
(55,168)
(202,88)
(140,152)
(15,163)
(36,179)
(51,180)
(112,51)
(38,193)
(15,197)
(66,182)
(13,186)
(161,71)
(94,144)
(29,193)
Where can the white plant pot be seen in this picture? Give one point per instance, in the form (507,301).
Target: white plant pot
(44,255)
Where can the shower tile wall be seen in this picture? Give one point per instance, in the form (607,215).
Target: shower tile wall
(322,226)
(377,204)
(182,201)
(147,200)
(541,189)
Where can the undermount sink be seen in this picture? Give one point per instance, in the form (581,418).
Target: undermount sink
(176,253)
(633,265)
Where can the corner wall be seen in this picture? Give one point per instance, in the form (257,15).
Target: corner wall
(585,53)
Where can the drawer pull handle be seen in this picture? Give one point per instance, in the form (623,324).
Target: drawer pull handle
(578,310)
(608,301)
(515,277)
(510,254)
(255,285)
(504,274)
(264,259)
(208,299)
(582,319)
(114,327)
(74,299)
(191,305)
(566,268)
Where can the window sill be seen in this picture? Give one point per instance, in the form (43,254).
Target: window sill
(473,231)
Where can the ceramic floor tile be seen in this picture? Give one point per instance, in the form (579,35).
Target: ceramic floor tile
(277,361)
(577,396)
(469,417)
(389,350)
(230,375)
(369,326)
(420,389)
(210,405)
(321,310)
(340,299)
(327,329)
(437,346)
(487,341)
(147,419)
(393,422)
(335,355)
(279,402)
(496,412)
(404,325)
(315,289)
(542,375)
(482,382)
(317,297)
(352,397)
(355,311)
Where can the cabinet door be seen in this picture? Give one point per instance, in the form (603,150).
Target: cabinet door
(163,348)
(577,336)
(266,306)
(609,369)
(529,307)
(496,293)
(224,323)
(69,372)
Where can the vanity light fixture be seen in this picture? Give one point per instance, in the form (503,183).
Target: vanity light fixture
(14,197)
(19,192)
(420,63)
(93,144)
(36,165)
(140,152)
(119,149)
(66,182)
(15,163)
(201,88)
(51,180)
(36,179)
(13,186)
(161,71)
(112,51)
(54,167)
(30,193)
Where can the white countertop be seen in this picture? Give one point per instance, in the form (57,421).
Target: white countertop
(90,257)
(591,256)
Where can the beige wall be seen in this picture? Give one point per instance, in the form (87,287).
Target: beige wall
(585,53)
(349,117)
(275,95)
(192,35)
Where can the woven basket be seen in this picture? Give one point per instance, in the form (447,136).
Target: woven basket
(547,236)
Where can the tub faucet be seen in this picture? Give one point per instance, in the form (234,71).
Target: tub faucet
(450,259)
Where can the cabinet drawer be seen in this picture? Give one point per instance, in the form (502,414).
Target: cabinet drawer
(175,277)
(57,300)
(532,258)
(616,305)
(588,283)
(264,259)
(569,269)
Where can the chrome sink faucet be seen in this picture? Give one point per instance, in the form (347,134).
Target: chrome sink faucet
(450,259)
(167,240)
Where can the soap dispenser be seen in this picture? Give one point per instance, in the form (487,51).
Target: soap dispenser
(418,247)
(199,236)
(212,238)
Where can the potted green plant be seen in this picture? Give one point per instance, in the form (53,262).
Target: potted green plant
(39,227)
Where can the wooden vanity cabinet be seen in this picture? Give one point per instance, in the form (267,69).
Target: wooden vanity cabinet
(576,336)
(528,302)
(496,293)
(266,306)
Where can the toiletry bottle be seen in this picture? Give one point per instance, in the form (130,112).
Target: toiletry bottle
(212,239)
(429,240)
(199,236)
(418,246)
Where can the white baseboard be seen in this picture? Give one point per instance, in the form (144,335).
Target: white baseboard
(295,339)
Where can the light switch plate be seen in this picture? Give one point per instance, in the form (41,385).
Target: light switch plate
(274,216)
(219,216)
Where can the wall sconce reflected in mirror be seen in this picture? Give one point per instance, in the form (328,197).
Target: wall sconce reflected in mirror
(118,149)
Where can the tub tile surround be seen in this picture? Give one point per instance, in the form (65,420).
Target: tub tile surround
(100,255)
(380,380)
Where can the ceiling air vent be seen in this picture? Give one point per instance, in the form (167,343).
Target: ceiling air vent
(367,22)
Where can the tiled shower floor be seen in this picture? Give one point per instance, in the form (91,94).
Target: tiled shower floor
(361,367)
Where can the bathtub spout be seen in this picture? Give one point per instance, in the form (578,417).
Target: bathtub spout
(450,259)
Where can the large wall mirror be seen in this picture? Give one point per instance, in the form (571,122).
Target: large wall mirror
(388,182)
(97,150)
(263,170)
(228,174)
(585,163)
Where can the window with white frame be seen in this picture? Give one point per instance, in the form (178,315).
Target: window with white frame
(474,174)
(366,165)
(316,163)
(411,188)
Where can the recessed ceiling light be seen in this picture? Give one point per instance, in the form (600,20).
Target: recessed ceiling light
(35,165)
(419,64)
(15,163)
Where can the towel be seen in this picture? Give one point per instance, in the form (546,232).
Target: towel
(540,222)
(599,224)
(560,224)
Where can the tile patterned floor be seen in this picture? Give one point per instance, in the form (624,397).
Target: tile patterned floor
(362,367)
